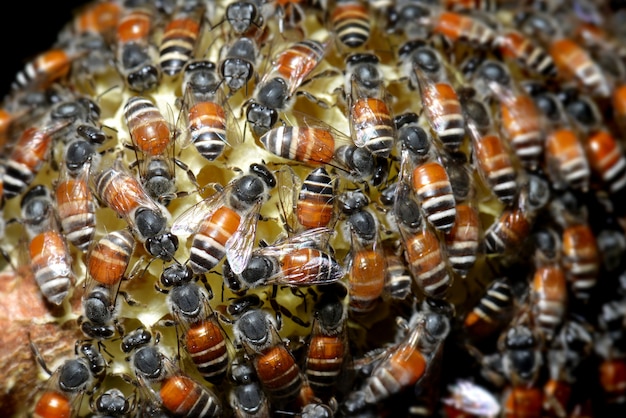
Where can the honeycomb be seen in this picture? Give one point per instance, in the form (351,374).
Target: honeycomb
(464,258)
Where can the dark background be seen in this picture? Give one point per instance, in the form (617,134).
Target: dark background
(28,28)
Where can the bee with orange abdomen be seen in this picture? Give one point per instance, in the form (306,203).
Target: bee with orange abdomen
(152,138)
(203,336)
(549,286)
(108,259)
(275,91)
(275,365)
(328,344)
(425,67)
(513,226)
(573,62)
(492,312)
(180,37)
(350,21)
(581,258)
(224,224)
(301,259)
(527,52)
(398,279)
(520,120)
(566,161)
(462,27)
(406,362)
(432,186)
(179,394)
(119,190)
(50,259)
(607,160)
(490,154)
(310,141)
(45,69)
(366,261)
(579,248)
(308,203)
(29,154)
(462,241)
(210,121)
(53,404)
(72,379)
(98,18)
(371,123)
(107,262)
(136,58)
(423,252)
(75,201)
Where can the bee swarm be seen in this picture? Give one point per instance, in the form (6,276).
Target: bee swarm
(317,208)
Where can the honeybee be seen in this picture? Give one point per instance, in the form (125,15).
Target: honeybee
(224,224)
(565,159)
(371,123)
(50,259)
(180,37)
(549,286)
(327,349)
(525,51)
(521,121)
(152,138)
(29,154)
(179,394)
(422,250)
(297,260)
(313,142)
(398,279)
(606,158)
(276,367)
(573,62)
(366,261)
(579,250)
(247,397)
(73,378)
(112,402)
(350,22)
(406,362)
(75,201)
(492,312)
(245,15)
(136,58)
(203,336)
(44,70)
(119,190)
(210,121)
(425,68)
(239,62)
(289,70)
(490,154)
(514,224)
(308,203)
(98,18)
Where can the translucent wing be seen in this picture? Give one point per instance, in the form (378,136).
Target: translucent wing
(187,222)
(239,245)
(288,185)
